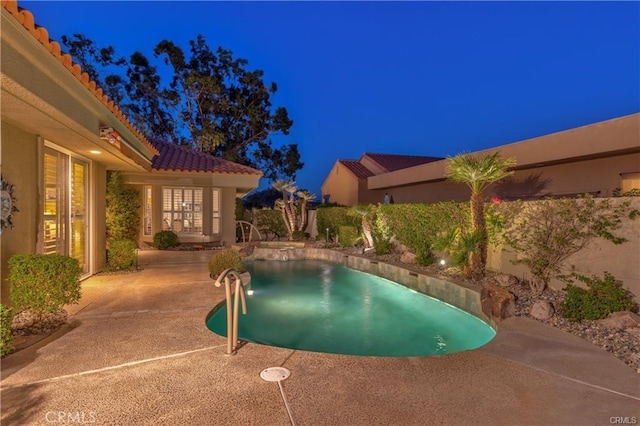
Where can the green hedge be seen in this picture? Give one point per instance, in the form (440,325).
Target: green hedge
(348,235)
(6,338)
(418,225)
(43,283)
(333,218)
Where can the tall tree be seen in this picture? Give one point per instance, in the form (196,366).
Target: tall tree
(478,172)
(211,101)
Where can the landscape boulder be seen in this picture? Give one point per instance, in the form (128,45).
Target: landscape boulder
(541,310)
(497,303)
(620,320)
(408,257)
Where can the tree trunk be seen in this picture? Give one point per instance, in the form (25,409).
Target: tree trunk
(478,259)
(366,230)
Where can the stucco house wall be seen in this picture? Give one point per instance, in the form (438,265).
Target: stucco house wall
(343,186)
(585,159)
(51,118)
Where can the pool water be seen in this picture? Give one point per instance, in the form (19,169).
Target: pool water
(324,307)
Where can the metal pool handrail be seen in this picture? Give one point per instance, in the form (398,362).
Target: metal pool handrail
(232,317)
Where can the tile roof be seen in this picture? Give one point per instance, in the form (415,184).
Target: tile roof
(26,19)
(184,159)
(357,168)
(392,162)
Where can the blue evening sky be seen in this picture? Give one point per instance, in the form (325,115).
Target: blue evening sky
(417,78)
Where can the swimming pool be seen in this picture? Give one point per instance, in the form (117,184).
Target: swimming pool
(325,307)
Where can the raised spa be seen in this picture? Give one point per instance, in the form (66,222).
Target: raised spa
(319,306)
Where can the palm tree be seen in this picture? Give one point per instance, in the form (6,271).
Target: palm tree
(286,204)
(478,173)
(289,204)
(305,197)
(363,211)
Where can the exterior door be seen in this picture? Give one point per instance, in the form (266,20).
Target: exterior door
(66,206)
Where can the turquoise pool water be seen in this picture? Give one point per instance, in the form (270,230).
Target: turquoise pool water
(324,307)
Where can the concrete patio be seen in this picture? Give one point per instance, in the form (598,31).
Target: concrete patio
(137,352)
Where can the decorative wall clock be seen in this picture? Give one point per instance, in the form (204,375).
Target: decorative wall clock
(8,205)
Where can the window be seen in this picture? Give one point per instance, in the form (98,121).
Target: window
(215,212)
(182,210)
(147,211)
(630,181)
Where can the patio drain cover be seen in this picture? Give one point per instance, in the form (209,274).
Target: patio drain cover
(274,374)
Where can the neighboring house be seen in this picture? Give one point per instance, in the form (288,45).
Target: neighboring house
(596,159)
(60,135)
(346,183)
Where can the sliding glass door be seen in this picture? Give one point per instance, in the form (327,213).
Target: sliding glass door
(66,206)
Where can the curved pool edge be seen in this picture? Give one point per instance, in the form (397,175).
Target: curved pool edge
(460,294)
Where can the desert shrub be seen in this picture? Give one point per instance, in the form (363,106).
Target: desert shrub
(602,297)
(122,255)
(348,235)
(6,338)
(225,259)
(165,239)
(43,283)
(123,210)
(547,232)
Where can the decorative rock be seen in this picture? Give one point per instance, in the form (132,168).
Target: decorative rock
(408,257)
(506,280)
(541,310)
(497,303)
(620,320)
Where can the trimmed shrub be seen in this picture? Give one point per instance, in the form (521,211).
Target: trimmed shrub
(165,239)
(602,297)
(348,235)
(225,259)
(416,225)
(43,283)
(382,246)
(123,209)
(332,218)
(121,255)
(6,338)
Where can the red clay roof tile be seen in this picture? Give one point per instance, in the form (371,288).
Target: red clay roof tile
(393,162)
(357,168)
(184,159)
